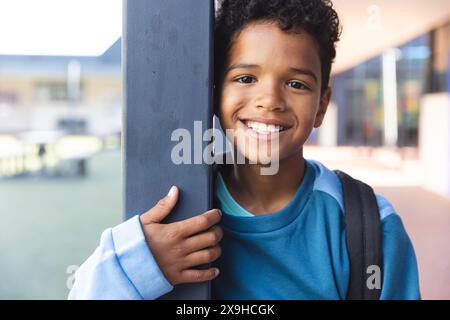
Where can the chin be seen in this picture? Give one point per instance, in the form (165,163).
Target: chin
(259,156)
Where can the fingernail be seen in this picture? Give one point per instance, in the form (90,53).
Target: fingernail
(216,272)
(220,212)
(171,191)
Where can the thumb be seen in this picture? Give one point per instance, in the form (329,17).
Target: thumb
(162,208)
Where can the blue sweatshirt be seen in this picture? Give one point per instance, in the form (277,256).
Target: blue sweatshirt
(298,252)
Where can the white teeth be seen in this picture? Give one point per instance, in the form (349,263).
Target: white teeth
(264,128)
(261,127)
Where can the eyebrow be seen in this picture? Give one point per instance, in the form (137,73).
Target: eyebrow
(240,66)
(304,71)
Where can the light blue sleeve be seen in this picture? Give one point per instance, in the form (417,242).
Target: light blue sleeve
(401,277)
(121,268)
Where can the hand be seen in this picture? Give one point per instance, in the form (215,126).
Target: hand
(178,247)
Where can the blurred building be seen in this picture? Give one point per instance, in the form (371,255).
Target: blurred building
(75,94)
(421,66)
(56,112)
(359,96)
(398,98)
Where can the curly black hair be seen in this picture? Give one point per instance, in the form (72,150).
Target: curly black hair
(317,17)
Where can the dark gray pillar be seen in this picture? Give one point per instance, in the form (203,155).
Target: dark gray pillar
(167,59)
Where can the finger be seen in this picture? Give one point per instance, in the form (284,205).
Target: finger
(199,223)
(202,257)
(204,240)
(162,208)
(192,275)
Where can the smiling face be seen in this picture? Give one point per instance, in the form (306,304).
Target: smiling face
(274,78)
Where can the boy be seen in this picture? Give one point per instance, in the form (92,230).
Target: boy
(281,236)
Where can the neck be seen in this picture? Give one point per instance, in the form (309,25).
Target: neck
(266,193)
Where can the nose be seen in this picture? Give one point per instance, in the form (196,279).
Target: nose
(271,98)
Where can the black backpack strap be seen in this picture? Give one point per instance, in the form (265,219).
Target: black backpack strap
(363,234)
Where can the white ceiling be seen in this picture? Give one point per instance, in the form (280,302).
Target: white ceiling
(370,26)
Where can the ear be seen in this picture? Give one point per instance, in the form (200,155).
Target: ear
(324,102)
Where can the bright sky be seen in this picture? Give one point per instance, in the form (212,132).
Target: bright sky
(59,27)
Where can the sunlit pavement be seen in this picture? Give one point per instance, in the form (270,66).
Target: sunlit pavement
(398,176)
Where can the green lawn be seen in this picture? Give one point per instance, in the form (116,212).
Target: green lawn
(48,225)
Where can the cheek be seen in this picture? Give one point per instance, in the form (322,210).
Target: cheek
(306,119)
(306,112)
(232,100)
(233,95)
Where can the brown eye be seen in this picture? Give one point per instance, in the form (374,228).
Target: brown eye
(297,85)
(245,79)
